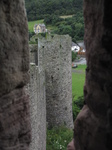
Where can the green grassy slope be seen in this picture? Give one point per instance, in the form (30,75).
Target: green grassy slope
(78,79)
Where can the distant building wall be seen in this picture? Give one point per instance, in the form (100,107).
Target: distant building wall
(57,63)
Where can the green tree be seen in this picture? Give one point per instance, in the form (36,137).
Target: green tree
(37,9)
(74,55)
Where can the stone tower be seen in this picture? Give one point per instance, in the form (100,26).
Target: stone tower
(57,64)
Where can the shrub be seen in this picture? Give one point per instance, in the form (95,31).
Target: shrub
(31,34)
(74,55)
(58,138)
(77,106)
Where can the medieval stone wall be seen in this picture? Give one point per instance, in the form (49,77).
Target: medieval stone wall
(93,126)
(50,81)
(34,53)
(15,131)
(57,64)
(37,102)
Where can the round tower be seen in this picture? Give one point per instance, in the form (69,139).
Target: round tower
(58,81)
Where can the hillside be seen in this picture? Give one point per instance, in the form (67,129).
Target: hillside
(38,9)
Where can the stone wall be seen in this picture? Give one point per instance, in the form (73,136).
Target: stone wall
(37,103)
(14,65)
(93,126)
(34,53)
(57,63)
(51,81)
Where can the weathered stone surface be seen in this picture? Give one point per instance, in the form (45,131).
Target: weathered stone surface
(34,53)
(93,126)
(51,57)
(14,121)
(71,145)
(37,102)
(14,61)
(57,64)
(14,65)
(89,131)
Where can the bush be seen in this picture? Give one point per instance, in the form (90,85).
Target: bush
(31,34)
(43,34)
(74,55)
(58,138)
(52,19)
(77,106)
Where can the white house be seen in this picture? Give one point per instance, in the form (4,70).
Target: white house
(75,47)
(39,28)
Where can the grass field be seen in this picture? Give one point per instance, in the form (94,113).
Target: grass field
(78,79)
(51,28)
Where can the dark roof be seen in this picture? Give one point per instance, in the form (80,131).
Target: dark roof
(74,44)
(81,44)
(42,25)
(35,25)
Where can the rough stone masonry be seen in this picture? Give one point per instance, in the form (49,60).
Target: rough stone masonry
(93,126)
(37,100)
(14,66)
(57,65)
(50,87)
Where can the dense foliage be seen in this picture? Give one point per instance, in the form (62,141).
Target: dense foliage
(74,56)
(58,138)
(38,9)
(73,26)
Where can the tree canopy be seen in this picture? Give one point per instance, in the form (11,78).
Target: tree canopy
(73,26)
(38,9)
